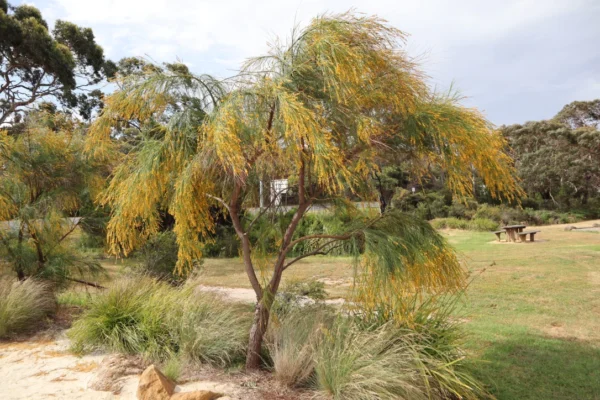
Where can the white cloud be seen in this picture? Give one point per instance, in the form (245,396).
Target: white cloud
(457,38)
(246,25)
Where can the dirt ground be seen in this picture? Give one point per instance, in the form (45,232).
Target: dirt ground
(42,367)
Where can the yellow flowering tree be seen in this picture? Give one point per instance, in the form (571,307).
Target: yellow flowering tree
(323,111)
(45,184)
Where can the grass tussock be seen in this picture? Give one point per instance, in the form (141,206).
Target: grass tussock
(291,344)
(163,322)
(23,305)
(358,356)
(387,363)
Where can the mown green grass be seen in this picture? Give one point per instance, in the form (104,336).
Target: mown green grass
(533,313)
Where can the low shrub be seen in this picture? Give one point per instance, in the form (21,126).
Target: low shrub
(158,257)
(225,243)
(476,224)
(23,305)
(311,288)
(450,223)
(296,295)
(488,211)
(483,224)
(159,321)
(463,208)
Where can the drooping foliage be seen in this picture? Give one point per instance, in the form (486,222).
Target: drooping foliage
(36,63)
(324,111)
(43,183)
(166,106)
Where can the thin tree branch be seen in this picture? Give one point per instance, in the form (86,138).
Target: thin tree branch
(308,237)
(92,284)
(220,200)
(315,252)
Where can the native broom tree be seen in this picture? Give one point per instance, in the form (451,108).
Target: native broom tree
(44,184)
(323,111)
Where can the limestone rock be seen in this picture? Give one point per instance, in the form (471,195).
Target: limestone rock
(154,385)
(111,371)
(196,395)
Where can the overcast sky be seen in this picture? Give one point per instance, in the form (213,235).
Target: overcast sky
(515,60)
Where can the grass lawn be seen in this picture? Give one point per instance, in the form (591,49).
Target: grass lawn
(534,313)
(532,309)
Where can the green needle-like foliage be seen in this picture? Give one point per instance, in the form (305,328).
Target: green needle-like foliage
(43,181)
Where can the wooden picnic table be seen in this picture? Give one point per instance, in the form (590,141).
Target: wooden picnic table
(512,232)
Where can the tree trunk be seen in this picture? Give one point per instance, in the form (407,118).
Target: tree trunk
(257,332)
(19,266)
(38,248)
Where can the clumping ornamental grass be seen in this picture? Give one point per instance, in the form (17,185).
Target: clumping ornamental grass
(23,305)
(385,363)
(162,322)
(291,344)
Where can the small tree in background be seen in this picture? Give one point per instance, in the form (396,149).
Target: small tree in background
(324,111)
(43,181)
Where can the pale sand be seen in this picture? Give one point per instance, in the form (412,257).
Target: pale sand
(45,369)
(244,295)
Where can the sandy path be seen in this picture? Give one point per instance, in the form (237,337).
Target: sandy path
(244,295)
(45,369)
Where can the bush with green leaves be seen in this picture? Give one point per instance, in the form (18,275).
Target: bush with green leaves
(225,243)
(23,305)
(297,294)
(158,257)
(343,358)
(159,321)
(450,223)
(483,224)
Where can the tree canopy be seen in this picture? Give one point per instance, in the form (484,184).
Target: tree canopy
(324,111)
(579,114)
(44,180)
(36,63)
(557,160)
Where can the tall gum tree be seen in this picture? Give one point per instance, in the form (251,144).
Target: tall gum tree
(324,110)
(63,65)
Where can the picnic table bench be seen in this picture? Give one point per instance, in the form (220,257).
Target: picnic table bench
(499,234)
(523,235)
(512,231)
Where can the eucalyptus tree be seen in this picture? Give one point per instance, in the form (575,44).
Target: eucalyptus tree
(556,162)
(62,65)
(44,179)
(323,111)
(579,114)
